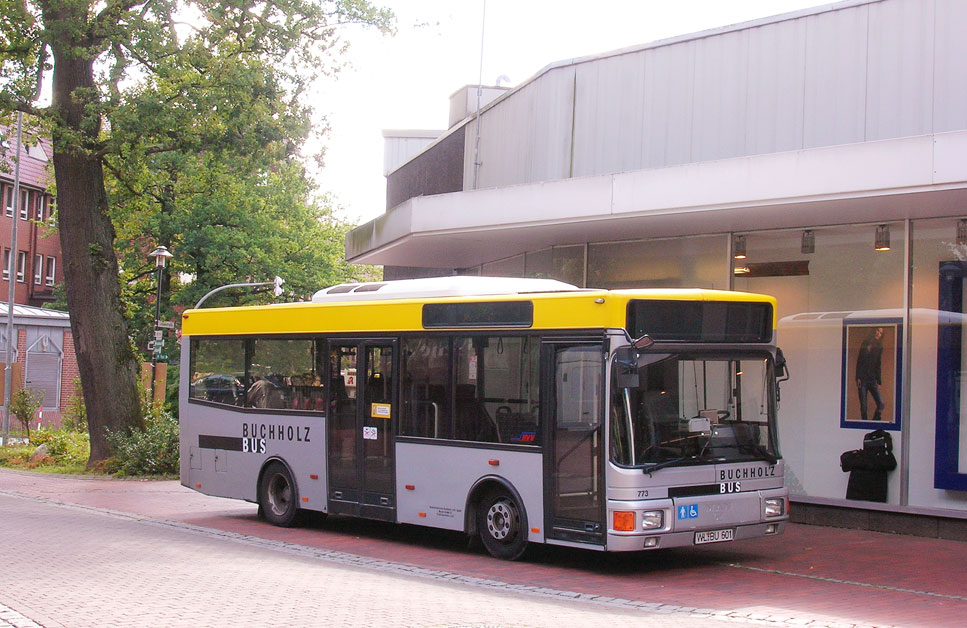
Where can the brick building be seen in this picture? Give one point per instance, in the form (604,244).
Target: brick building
(45,347)
(45,355)
(37,258)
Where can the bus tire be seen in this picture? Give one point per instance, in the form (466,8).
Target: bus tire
(502,525)
(278,499)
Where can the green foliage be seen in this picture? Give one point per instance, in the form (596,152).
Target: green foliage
(74,418)
(24,404)
(194,111)
(64,447)
(151,451)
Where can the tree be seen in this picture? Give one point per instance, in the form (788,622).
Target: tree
(24,405)
(135,80)
(230,221)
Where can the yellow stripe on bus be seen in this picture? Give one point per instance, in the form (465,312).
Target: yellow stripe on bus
(587,309)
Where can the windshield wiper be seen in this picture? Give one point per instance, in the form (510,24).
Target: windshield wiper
(667,463)
(765,453)
(757,449)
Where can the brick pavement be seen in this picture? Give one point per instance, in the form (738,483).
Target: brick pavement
(81,567)
(811,575)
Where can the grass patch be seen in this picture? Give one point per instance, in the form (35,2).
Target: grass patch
(67,452)
(149,453)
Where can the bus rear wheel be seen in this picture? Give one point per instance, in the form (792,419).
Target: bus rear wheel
(501,525)
(278,502)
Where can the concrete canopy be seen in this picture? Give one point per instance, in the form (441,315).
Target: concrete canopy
(911,177)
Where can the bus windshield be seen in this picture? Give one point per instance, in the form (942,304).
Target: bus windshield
(681,409)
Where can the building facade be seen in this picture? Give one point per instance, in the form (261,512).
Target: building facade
(37,255)
(818,156)
(44,346)
(44,353)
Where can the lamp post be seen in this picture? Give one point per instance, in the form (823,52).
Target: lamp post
(161,256)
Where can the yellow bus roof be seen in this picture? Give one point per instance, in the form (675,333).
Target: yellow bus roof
(572,309)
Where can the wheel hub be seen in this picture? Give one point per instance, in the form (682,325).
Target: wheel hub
(279,494)
(502,520)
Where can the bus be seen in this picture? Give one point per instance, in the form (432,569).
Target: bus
(517,410)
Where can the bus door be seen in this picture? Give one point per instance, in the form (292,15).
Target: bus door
(362,411)
(574,464)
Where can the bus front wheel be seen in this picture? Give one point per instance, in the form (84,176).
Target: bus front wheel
(501,525)
(278,502)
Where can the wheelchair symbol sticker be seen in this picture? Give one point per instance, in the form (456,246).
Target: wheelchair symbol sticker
(688,511)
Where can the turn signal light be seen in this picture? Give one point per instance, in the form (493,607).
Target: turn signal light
(623,521)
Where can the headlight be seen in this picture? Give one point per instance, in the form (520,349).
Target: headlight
(652,519)
(775,506)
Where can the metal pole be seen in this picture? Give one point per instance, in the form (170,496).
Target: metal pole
(277,283)
(157,329)
(11,292)
(476,143)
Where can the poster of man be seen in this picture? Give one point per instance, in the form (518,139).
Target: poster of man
(870,378)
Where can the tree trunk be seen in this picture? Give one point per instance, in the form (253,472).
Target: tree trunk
(105,357)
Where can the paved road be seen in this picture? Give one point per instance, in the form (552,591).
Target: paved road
(79,567)
(160,536)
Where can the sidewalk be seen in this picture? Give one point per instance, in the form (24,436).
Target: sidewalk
(812,575)
(89,569)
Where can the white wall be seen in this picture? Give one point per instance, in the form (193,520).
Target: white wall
(865,72)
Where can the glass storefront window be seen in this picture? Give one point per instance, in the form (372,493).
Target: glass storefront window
(564,263)
(830,302)
(510,267)
(692,262)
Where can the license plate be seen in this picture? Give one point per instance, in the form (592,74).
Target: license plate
(714,536)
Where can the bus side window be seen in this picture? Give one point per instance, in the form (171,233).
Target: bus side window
(281,375)
(473,422)
(217,364)
(498,389)
(425,379)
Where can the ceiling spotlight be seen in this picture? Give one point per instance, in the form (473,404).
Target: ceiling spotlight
(808,242)
(738,247)
(882,242)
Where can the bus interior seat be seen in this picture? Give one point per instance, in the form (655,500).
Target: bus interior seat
(473,422)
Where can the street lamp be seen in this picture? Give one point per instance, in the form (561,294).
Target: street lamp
(161,256)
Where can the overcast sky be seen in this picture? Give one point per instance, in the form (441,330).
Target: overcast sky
(405,81)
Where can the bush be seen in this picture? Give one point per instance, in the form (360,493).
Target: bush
(151,451)
(65,447)
(24,404)
(75,414)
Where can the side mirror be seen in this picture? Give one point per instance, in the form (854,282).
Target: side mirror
(782,370)
(782,367)
(643,343)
